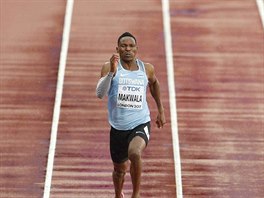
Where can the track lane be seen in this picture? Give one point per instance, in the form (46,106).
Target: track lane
(30,47)
(82,164)
(218,50)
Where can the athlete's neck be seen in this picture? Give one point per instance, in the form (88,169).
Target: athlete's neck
(129,65)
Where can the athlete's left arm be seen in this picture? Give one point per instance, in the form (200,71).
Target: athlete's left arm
(155,92)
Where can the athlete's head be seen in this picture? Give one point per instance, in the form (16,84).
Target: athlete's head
(127,47)
(126,34)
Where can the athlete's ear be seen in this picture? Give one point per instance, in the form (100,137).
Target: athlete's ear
(117,49)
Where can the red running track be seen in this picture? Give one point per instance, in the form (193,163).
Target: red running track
(218,57)
(30,48)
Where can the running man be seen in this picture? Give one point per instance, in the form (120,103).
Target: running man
(125,79)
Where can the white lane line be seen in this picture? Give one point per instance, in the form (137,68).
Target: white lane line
(172,95)
(57,105)
(260,4)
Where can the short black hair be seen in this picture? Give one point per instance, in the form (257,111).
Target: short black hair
(124,35)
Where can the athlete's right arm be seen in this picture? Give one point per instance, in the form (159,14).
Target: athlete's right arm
(104,82)
(107,72)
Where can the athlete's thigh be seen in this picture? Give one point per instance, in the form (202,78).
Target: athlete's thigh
(136,145)
(118,146)
(141,132)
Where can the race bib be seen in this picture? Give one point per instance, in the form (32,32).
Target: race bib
(130,96)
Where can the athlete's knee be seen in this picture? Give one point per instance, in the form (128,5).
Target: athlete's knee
(119,173)
(120,169)
(134,154)
(136,148)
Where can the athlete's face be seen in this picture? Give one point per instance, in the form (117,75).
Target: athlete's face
(127,49)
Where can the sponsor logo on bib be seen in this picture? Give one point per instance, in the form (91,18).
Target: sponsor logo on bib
(130,95)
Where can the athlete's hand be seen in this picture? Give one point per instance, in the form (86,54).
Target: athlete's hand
(114,62)
(160,121)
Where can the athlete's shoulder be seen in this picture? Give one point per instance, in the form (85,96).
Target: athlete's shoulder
(150,72)
(149,68)
(106,65)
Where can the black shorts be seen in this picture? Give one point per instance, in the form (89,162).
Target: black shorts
(120,139)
